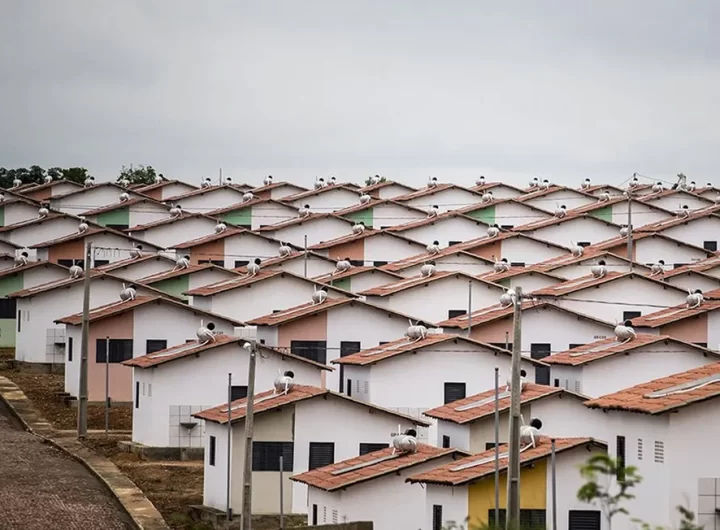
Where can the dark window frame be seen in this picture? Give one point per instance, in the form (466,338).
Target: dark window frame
(266,456)
(320,454)
(238,392)
(241,263)
(152,345)
(8,307)
(445,441)
(216,262)
(212,450)
(369,447)
(710,245)
(120,350)
(454,313)
(452,389)
(539,351)
(314,350)
(620,456)
(575,525)
(629,315)
(347,348)
(70,349)
(437,523)
(137,394)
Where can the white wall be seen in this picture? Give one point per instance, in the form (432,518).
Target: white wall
(694,281)
(695,232)
(89,199)
(270,213)
(676,201)
(454,502)
(528,251)
(40,275)
(447,199)
(316,230)
(388,248)
(459,434)
(72,368)
(578,270)
(213,199)
(446,230)
(315,265)
(329,201)
(168,235)
(389,214)
(18,212)
(642,214)
(581,229)
(550,201)
(456,262)
(368,280)
(42,231)
(713,330)
(651,249)
(529,282)
(516,214)
(112,247)
(215,477)
(142,269)
(246,247)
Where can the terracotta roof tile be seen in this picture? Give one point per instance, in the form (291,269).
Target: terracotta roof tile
(125,204)
(83,189)
(699,266)
(454,474)
(130,261)
(518,271)
(482,405)
(586,282)
(528,196)
(570,216)
(419,259)
(589,253)
(345,239)
(167,221)
(485,240)
(91,232)
(423,192)
(491,185)
(677,221)
(203,191)
(278,184)
(300,311)
(353,271)
(313,192)
(164,183)
(247,204)
(30,222)
(30,188)
(279,260)
(376,202)
(700,384)
(409,283)
(29,266)
(385,184)
(432,220)
(234,283)
(678,312)
(230,231)
(639,236)
(56,284)
(174,273)
(378,464)
(300,220)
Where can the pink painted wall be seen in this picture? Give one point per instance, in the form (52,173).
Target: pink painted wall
(694,329)
(493,331)
(308,328)
(117,327)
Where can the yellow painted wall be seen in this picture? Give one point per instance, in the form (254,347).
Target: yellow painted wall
(533,492)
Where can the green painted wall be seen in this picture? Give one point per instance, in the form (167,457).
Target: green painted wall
(174,286)
(505,283)
(343,283)
(366,216)
(241,217)
(7,332)
(605,213)
(486,215)
(11,283)
(121,216)
(2,216)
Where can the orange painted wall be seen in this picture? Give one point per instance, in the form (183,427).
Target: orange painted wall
(309,328)
(69,250)
(154,194)
(118,327)
(214,250)
(493,331)
(621,250)
(40,195)
(265,194)
(693,329)
(488,251)
(354,250)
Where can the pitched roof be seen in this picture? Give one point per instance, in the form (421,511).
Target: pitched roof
(30,265)
(203,191)
(278,184)
(586,282)
(664,394)
(247,204)
(174,273)
(277,260)
(669,193)
(528,196)
(451,214)
(605,348)
(491,185)
(168,220)
(35,221)
(368,232)
(482,405)
(229,231)
(481,465)
(698,266)
(56,284)
(677,221)
(157,185)
(409,283)
(486,240)
(83,189)
(589,253)
(119,307)
(131,261)
(300,220)
(424,192)
(234,283)
(270,400)
(384,184)
(376,202)
(313,192)
(570,216)
(513,272)
(195,347)
(354,271)
(43,186)
(123,204)
(370,466)
(92,231)
(419,259)
(639,236)
(678,312)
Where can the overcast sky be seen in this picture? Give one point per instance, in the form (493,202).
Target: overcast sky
(406,88)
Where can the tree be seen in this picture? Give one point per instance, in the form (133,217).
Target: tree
(37,175)
(369,180)
(74,174)
(138,174)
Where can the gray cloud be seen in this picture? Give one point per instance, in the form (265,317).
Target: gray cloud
(563,89)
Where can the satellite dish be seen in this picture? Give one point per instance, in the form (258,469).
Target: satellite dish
(561,211)
(692,186)
(16,183)
(48,179)
(83,226)
(658,187)
(604,196)
(577,250)
(206,183)
(535,182)
(124,183)
(487,197)
(530,434)
(268,180)
(21,259)
(89,182)
(319,183)
(508,298)
(624,231)
(523,382)
(377,179)
(416,332)
(545,184)
(684,211)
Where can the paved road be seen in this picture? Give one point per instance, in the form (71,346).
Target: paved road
(43,489)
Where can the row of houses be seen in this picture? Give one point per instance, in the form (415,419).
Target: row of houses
(377,311)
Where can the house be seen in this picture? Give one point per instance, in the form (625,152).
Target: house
(170,231)
(697,325)
(108,246)
(691,279)
(673,200)
(160,191)
(614,297)
(308,230)
(327,199)
(446,259)
(649,248)
(580,229)
(173,383)
(612,364)
(255,213)
(304,263)
(80,200)
(15,210)
(599,189)
(12,249)
(465,489)
(147,264)
(708,191)
(130,328)
(357,279)
(38,339)
(615,210)
(549,198)
(572,266)
(310,427)
(499,190)
(334,328)
(540,337)
(244,297)
(369,247)
(15,279)
(451,294)
(469,423)
(385,190)
(449,228)
(204,200)
(666,429)
(412,375)
(506,213)
(7,260)
(43,192)
(122,214)
(445,196)
(372,483)
(700,228)
(381,213)
(518,249)
(529,278)
(178,280)
(54,225)
(230,248)
(277,190)
(709,266)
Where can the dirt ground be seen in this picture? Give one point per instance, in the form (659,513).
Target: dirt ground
(42,389)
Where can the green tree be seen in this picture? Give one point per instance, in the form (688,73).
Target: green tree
(74,174)
(138,174)
(369,180)
(37,175)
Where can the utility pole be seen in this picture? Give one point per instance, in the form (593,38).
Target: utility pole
(249,416)
(229,452)
(630,229)
(469,310)
(107,385)
(305,257)
(83,391)
(513,473)
(497,446)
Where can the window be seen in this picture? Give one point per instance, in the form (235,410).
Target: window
(571,346)
(241,263)
(556,382)
(529,519)
(314,515)
(437,522)
(380,263)
(490,445)
(454,313)
(70,349)
(153,345)
(349,387)
(507,227)
(218,262)
(101,262)
(710,245)
(678,265)
(629,315)
(366,448)
(357,262)
(315,350)
(517,263)
(8,306)
(451,243)
(346,348)
(446,441)
(583,243)
(454,391)
(266,456)
(67,262)
(118,227)
(19,320)
(238,392)
(620,455)
(137,394)
(321,454)
(584,520)
(211,456)
(640,449)
(703,344)
(120,350)
(659,452)
(542,373)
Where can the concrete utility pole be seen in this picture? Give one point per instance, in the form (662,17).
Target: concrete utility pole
(630,228)
(497,446)
(513,473)
(83,391)
(249,415)
(229,451)
(469,309)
